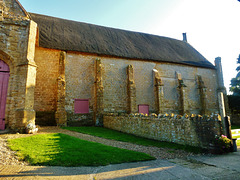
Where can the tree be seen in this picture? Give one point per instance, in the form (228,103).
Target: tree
(235,82)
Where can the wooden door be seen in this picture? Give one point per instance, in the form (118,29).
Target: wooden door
(4,77)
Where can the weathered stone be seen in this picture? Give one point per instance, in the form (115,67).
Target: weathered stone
(194,131)
(203,98)
(99,94)
(183,95)
(18,35)
(159,91)
(61,114)
(131,90)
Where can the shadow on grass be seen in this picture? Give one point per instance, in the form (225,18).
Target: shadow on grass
(120,136)
(64,150)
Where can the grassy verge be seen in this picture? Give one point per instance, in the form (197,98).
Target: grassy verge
(119,136)
(238,142)
(236,127)
(63,150)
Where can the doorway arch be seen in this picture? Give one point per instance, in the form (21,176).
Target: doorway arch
(4,78)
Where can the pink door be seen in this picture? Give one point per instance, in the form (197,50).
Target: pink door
(143,108)
(4,76)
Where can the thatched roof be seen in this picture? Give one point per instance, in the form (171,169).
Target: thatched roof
(69,35)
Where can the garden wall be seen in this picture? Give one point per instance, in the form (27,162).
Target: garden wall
(195,131)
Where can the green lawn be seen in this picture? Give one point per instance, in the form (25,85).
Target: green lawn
(238,142)
(62,150)
(236,127)
(119,136)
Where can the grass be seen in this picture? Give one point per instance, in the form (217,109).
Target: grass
(63,150)
(236,127)
(119,136)
(238,142)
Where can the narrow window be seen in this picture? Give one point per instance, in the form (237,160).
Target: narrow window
(81,106)
(143,108)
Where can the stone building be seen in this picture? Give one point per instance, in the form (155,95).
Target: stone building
(64,72)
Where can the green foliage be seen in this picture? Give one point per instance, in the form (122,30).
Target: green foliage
(63,150)
(119,136)
(235,82)
(223,143)
(235,127)
(234,102)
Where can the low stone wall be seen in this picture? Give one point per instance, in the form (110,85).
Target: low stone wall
(80,119)
(195,131)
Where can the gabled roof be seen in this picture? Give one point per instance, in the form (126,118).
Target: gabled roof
(69,35)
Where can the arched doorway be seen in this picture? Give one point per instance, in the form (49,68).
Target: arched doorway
(4,77)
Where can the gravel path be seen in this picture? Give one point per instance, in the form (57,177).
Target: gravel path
(8,157)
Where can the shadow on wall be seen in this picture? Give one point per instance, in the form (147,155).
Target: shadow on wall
(45,118)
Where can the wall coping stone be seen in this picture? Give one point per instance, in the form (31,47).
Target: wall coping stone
(153,116)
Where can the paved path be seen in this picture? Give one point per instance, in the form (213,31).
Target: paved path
(193,167)
(202,167)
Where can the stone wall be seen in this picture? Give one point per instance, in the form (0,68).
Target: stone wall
(45,96)
(195,131)
(17,48)
(122,82)
(80,78)
(46,80)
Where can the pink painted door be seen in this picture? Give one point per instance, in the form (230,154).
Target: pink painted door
(4,77)
(81,106)
(143,108)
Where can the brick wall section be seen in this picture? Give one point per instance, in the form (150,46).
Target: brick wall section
(80,84)
(195,131)
(115,84)
(189,75)
(80,74)
(80,78)
(47,61)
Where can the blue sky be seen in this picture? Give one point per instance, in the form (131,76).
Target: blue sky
(212,26)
